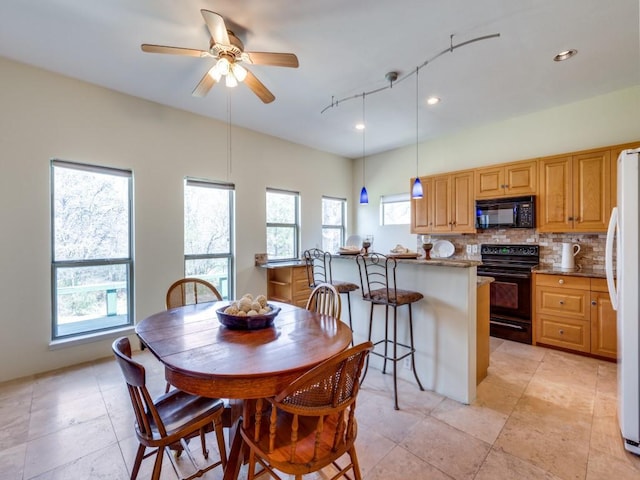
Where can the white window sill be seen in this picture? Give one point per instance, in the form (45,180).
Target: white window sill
(90,338)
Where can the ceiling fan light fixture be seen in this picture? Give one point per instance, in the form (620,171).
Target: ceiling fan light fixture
(215,74)
(433,100)
(231,81)
(223,66)
(239,72)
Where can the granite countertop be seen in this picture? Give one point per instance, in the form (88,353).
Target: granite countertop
(482,280)
(578,272)
(437,262)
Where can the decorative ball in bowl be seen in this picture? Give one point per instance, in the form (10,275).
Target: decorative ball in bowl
(248,314)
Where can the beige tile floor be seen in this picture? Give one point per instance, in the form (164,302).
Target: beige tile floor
(539,414)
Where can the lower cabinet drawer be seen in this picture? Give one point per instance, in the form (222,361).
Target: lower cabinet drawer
(564,302)
(565,333)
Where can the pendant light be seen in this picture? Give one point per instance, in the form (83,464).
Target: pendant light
(416,191)
(364,196)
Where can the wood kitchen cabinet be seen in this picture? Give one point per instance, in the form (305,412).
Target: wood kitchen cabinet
(574,313)
(575,192)
(453,203)
(422,208)
(288,283)
(507,180)
(604,338)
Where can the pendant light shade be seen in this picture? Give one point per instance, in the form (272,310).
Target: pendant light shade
(364,196)
(416,191)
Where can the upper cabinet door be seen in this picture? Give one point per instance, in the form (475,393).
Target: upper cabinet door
(441,203)
(591,191)
(554,202)
(489,182)
(521,178)
(462,203)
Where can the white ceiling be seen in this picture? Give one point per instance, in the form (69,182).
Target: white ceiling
(344,48)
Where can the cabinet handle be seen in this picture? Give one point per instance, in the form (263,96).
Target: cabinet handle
(570,219)
(561,281)
(577,219)
(561,332)
(594,303)
(561,302)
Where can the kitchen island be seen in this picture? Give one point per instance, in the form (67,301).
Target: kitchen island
(444,321)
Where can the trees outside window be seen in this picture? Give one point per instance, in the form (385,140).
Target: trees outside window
(209,233)
(91,244)
(283,224)
(333,223)
(395,209)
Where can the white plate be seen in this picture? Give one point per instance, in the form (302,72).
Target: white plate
(442,249)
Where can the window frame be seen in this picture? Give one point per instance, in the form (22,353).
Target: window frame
(295,226)
(230,255)
(343,224)
(61,264)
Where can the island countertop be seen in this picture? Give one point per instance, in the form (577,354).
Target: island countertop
(436,262)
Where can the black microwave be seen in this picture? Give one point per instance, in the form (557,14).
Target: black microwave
(515,212)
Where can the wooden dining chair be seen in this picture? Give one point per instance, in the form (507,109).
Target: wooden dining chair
(170,420)
(190,290)
(325,299)
(311,423)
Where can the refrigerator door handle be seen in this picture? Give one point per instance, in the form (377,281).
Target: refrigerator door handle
(608,257)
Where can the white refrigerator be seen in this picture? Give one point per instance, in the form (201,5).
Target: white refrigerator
(624,289)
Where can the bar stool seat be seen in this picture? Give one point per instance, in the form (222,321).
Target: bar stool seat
(344,287)
(378,283)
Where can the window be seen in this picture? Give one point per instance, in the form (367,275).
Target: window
(395,209)
(282,224)
(208,233)
(91,238)
(333,223)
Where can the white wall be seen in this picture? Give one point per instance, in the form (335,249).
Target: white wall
(44,116)
(600,121)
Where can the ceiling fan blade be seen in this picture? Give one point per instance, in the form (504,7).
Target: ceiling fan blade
(205,85)
(276,59)
(258,88)
(216,26)
(190,52)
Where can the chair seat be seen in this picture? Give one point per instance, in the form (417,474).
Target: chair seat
(280,457)
(402,297)
(344,287)
(178,409)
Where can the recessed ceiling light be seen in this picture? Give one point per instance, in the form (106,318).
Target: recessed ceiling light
(565,55)
(359,126)
(433,100)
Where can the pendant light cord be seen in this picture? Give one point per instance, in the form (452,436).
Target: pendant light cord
(417,101)
(363,138)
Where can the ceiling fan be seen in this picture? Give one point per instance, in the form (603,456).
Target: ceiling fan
(229,51)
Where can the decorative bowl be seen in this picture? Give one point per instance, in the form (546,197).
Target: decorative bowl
(254,322)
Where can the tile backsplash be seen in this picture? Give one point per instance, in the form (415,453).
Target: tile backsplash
(591,245)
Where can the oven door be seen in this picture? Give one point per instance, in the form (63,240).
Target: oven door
(510,305)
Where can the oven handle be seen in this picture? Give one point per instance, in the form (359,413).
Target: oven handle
(504,274)
(508,325)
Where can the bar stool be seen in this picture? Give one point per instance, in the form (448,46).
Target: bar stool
(318,265)
(378,280)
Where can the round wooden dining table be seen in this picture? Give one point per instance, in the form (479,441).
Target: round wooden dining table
(203,357)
